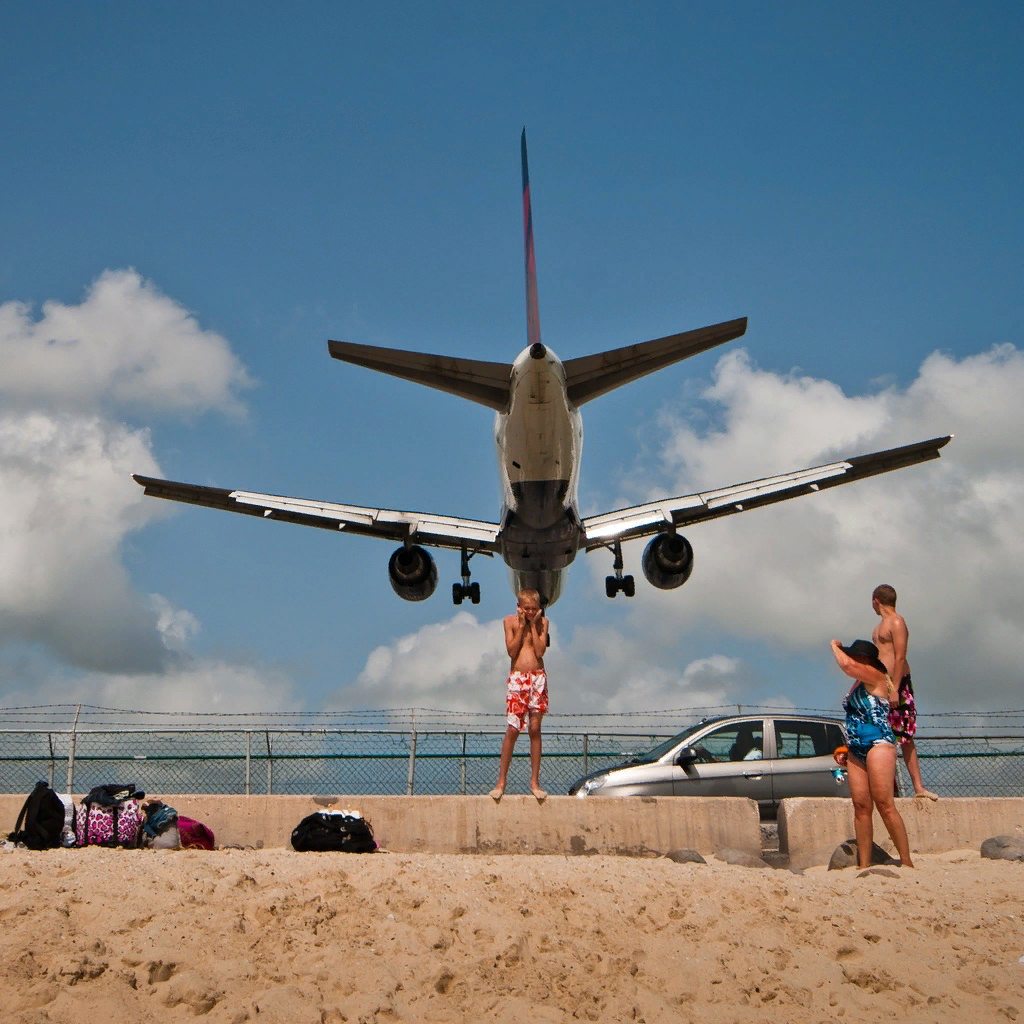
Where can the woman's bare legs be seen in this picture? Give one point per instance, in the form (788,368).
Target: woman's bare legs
(871,786)
(860,791)
(881,772)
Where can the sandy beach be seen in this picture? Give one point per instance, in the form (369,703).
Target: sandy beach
(273,935)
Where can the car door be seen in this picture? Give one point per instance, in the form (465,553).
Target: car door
(803,764)
(731,763)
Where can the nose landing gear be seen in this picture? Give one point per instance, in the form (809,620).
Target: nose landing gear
(618,582)
(460,591)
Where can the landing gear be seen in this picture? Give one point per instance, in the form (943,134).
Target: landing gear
(460,591)
(618,582)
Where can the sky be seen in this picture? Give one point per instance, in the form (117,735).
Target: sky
(194,198)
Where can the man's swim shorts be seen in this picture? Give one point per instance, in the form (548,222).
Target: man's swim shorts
(527,695)
(903,715)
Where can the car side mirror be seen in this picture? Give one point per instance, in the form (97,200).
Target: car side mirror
(686,756)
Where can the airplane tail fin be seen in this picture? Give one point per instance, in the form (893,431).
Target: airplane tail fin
(591,376)
(532,311)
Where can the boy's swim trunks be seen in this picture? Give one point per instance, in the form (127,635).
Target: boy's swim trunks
(527,694)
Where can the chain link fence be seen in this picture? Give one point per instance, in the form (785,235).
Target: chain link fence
(411,751)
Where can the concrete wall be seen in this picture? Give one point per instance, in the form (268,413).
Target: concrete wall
(476,824)
(810,828)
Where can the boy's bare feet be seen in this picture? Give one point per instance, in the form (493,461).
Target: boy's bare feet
(497,793)
(926,794)
(539,793)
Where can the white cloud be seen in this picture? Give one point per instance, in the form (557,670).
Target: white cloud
(189,685)
(461,665)
(69,501)
(947,535)
(124,345)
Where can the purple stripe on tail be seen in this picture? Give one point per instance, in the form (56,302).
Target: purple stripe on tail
(532,312)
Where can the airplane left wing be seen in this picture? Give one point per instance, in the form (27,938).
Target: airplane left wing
(645,520)
(418,527)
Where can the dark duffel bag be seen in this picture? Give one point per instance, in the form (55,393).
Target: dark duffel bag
(333,830)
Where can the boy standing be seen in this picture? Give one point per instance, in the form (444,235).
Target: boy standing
(891,637)
(526,640)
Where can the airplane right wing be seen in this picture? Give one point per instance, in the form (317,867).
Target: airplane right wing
(418,527)
(645,520)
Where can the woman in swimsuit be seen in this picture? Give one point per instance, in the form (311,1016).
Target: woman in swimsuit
(871,763)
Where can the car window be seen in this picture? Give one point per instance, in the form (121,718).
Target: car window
(805,739)
(737,742)
(834,737)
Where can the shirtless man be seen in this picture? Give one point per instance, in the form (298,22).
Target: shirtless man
(526,640)
(890,637)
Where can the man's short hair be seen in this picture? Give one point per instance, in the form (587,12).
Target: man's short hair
(529,594)
(884,594)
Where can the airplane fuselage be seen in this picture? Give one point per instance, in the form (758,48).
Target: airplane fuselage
(540,444)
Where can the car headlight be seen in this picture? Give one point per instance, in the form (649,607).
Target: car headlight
(590,785)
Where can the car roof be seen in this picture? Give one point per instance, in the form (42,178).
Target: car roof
(726,719)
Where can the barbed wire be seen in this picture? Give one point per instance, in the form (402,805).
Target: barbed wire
(85,717)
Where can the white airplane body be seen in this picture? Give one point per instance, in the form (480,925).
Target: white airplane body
(539,437)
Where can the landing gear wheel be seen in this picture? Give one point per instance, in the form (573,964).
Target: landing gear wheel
(628,587)
(611,586)
(456,593)
(474,593)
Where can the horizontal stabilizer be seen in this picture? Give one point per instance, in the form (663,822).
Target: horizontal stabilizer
(479,381)
(390,524)
(591,376)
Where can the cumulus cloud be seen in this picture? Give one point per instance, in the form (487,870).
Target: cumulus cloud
(124,345)
(461,665)
(947,534)
(190,684)
(69,502)
(788,578)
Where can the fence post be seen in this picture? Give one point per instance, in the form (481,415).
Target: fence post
(412,763)
(462,767)
(71,751)
(248,760)
(49,740)
(270,766)
(586,753)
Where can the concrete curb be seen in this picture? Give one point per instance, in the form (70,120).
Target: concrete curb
(645,826)
(810,828)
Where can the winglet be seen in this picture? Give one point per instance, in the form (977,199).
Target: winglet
(532,311)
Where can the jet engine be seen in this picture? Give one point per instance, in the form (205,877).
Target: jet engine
(668,561)
(413,573)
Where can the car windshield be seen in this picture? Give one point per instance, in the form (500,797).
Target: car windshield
(658,752)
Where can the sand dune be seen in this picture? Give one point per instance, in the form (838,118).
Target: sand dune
(272,935)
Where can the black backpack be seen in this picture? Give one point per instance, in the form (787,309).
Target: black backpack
(323,830)
(43,817)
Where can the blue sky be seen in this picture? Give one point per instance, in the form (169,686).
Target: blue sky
(847,179)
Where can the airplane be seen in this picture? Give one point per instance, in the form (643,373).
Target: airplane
(538,431)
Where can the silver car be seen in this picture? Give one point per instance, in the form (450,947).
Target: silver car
(764,757)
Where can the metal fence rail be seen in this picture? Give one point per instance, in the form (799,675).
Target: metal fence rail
(395,761)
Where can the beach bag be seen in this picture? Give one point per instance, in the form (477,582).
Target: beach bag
(110,815)
(160,827)
(41,819)
(194,834)
(333,830)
